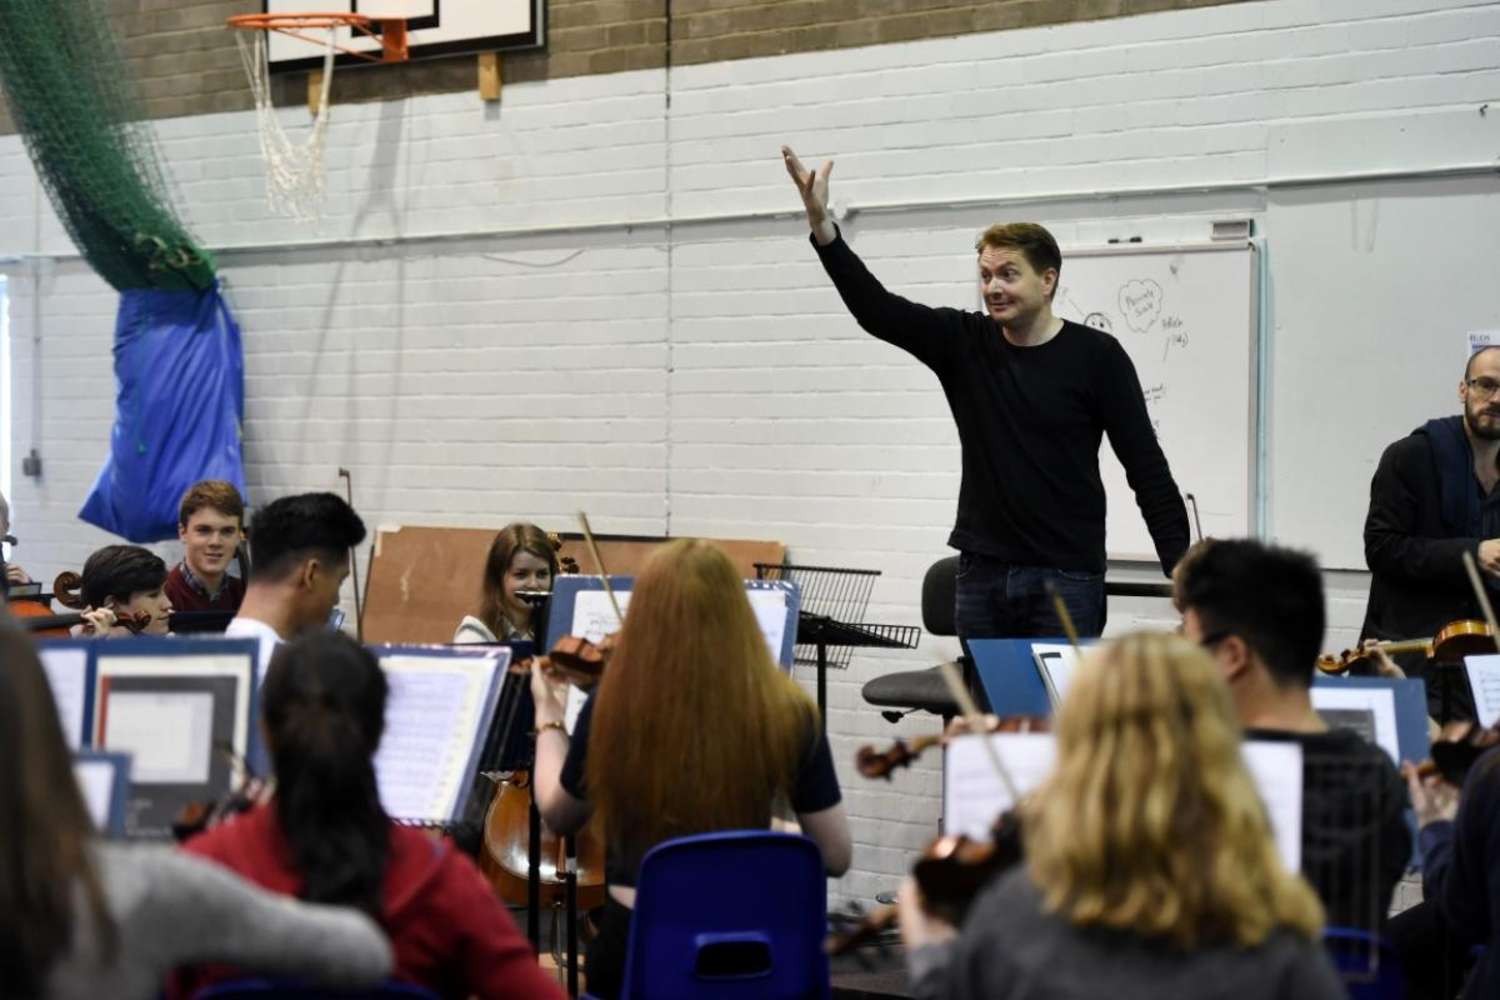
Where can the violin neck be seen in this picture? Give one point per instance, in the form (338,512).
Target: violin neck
(1408,646)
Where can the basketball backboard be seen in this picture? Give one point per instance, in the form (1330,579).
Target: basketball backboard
(436,28)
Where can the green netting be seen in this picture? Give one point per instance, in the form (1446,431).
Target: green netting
(75,104)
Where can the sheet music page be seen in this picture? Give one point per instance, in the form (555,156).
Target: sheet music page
(432,722)
(1379,702)
(1276,767)
(168,734)
(1484,678)
(96,779)
(593,615)
(68,674)
(1057,665)
(973,794)
(769,605)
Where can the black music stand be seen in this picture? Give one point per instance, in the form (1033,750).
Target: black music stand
(828,595)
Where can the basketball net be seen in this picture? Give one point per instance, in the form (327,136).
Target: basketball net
(294,169)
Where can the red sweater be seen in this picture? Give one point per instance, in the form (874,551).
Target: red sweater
(185,597)
(448,930)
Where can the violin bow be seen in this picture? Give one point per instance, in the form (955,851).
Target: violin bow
(1067,620)
(1479,592)
(975,720)
(1197,524)
(588,536)
(359,612)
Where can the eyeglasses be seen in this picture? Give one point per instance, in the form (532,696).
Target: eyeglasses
(1483,388)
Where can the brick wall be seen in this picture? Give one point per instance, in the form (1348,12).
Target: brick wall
(185,61)
(702,377)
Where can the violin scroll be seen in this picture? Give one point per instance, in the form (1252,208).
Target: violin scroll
(876,763)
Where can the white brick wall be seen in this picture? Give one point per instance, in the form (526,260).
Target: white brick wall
(703,378)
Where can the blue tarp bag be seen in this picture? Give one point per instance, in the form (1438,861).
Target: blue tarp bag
(181,380)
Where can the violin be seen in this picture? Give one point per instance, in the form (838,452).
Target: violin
(575,659)
(35,616)
(873,763)
(1458,746)
(1454,641)
(196,817)
(951,872)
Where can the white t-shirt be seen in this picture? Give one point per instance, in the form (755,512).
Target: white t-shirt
(253,628)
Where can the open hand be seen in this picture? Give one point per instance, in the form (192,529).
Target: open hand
(812,185)
(1432,798)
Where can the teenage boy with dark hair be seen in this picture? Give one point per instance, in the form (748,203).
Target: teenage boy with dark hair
(1259,611)
(299,548)
(210,524)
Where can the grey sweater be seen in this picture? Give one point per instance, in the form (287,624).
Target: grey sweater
(170,908)
(1009,949)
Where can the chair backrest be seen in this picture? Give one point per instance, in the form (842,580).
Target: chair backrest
(938,589)
(284,989)
(1367,964)
(742,913)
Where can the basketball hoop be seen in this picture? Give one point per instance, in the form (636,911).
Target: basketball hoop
(294,170)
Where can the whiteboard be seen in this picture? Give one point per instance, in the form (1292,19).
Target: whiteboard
(1187,316)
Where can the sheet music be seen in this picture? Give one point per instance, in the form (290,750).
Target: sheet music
(96,779)
(973,794)
(1379,702)
(1057,664)
(184,661)
(168,734)
(1276,767)
(1484,678)
(594,617)
(433,721)
(68,674)
(769,605)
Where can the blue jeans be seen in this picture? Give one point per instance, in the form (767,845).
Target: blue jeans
(999,600)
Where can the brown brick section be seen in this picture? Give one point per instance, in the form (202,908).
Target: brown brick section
(185,60)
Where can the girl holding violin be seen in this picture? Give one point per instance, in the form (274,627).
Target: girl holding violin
(120,584)
(691,729)
(324,836)
(522,557)
(82,918)
(1149,866)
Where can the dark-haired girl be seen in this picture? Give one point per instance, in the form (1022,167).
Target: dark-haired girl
(324,837)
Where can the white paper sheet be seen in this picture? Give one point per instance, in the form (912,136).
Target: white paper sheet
(594,617)
(67,673)
(168,734)
(1379,702)
(182,662)
(1276,767)
(1057,665)
(433,720)
(974,795)
(96,779)
(1484,678)
(769,605)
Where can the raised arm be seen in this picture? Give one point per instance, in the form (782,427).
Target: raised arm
(1128,424)
(927,333)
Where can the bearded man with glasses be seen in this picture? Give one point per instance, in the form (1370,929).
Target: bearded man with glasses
(1433,498)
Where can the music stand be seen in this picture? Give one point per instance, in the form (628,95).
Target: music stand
(829,593)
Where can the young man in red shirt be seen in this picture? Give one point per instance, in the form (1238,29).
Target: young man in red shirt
(210,524)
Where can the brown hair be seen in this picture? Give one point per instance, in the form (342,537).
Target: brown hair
(117,571)
(1150,822)
(694,727)
(1032,241)
(44,826)
(513,538)
(216,494)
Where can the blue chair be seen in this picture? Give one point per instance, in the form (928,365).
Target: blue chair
(1367,964)
(283,989)
(728,915)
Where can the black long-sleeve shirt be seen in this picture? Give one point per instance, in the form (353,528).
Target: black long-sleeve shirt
(1418,582)
(1030,420)
(1461,872)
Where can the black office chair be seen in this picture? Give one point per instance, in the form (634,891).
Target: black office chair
(923,690)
